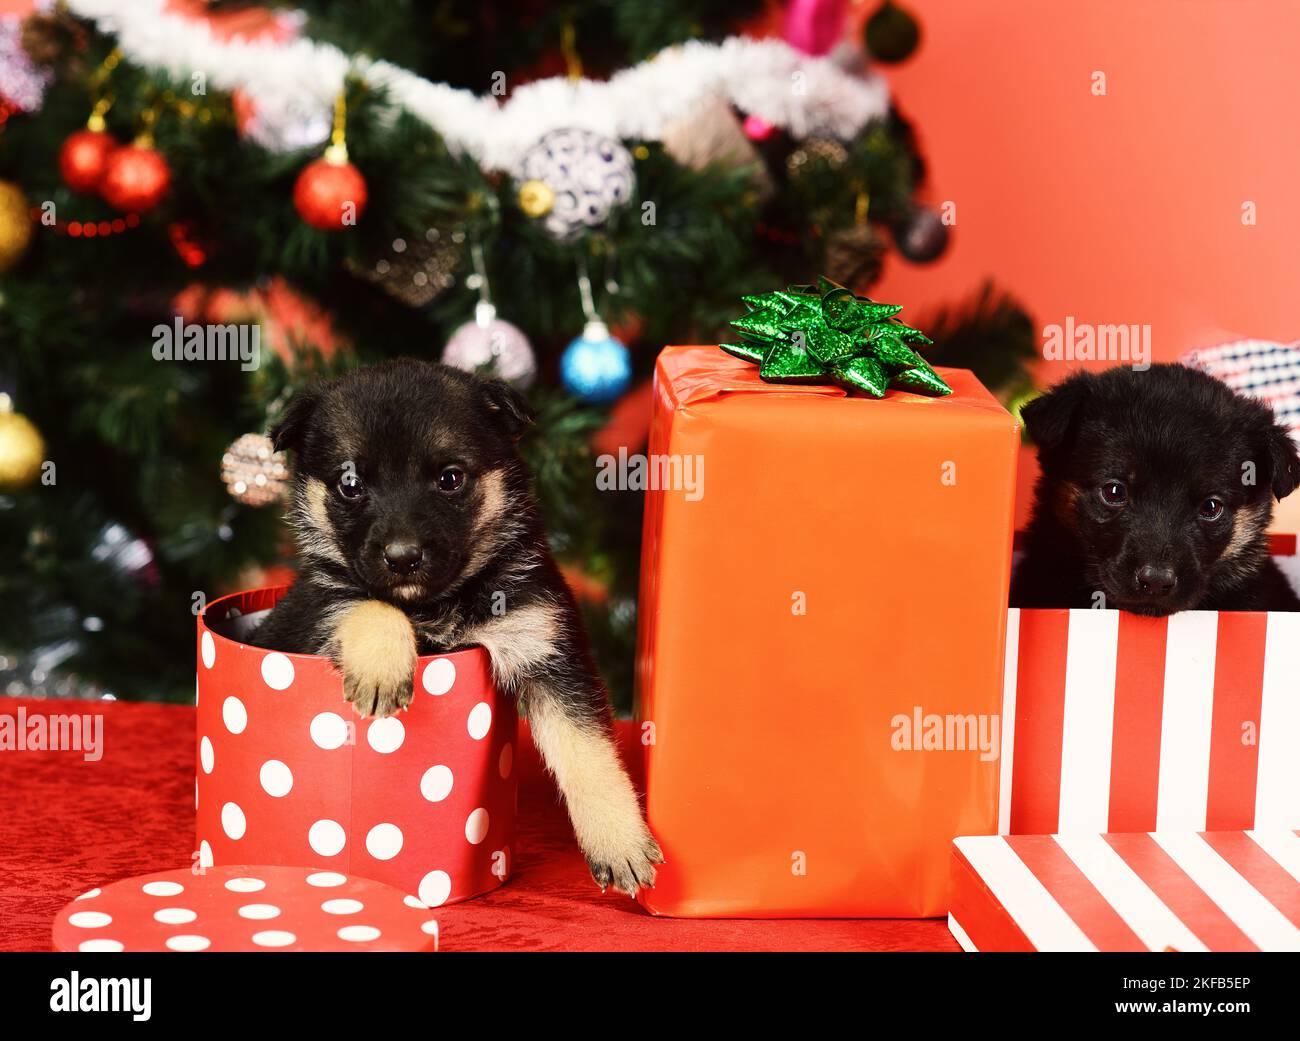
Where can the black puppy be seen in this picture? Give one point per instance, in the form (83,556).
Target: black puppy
(1156,492)
(418,533)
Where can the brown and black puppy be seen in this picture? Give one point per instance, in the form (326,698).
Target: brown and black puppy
(418,533)
(1156,493)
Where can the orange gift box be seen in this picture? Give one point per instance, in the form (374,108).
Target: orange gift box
(822,622)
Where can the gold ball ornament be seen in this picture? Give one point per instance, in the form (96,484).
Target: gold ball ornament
(254,472)
(854,256)
(813,153)
(22,449)
(15,225)
(536,198)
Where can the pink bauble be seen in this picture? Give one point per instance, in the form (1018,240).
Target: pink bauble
(757,128)
(493,346)
(814,26)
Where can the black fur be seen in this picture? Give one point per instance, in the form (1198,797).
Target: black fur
(1177,441)
(484,563)
(400,424)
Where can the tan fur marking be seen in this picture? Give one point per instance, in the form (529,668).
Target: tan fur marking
(521,638)
(315,532)
(375,645)
(493,485)
(315,494)
(1246,525)
(602,804)
(492,509)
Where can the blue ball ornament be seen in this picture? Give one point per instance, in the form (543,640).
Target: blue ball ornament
(595,366)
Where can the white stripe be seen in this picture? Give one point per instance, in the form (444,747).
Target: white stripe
(1266,926)
(1282,846)
(1185,724)
(1133,900)
(1006,746)
(959,934)
(1277,780)
(1088,720)
(1042,920)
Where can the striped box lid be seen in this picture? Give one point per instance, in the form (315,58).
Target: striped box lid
(1161,891)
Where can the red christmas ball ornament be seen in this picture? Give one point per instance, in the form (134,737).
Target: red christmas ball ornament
(84,157)
(330,194)
(136,178)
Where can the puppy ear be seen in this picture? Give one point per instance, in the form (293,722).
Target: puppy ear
(508,408)
(1051,418)
(1283,460)
(291,428)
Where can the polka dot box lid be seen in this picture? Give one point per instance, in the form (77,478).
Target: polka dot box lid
(288,774)
(246,908)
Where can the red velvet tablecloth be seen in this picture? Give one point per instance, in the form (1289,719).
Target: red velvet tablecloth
(68,825)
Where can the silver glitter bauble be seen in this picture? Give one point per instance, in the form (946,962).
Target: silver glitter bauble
(254,472)
(489,344)
(588,173)
(414,271)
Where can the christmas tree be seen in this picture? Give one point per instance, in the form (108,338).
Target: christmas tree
(550,192)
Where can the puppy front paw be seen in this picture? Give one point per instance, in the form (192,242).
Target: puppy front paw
(626,865)
(374,649)
(377,696)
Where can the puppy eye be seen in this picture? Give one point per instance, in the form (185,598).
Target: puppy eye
(1211,509)
(1113,493)
(451,479)
(350,486)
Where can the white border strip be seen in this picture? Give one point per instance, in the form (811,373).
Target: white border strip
(960,935)
(1007,737)
(1277,780)
(1088,720)
(1186,722)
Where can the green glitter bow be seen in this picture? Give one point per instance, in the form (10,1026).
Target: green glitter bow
(823,334)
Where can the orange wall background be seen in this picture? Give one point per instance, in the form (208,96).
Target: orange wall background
(1118,209)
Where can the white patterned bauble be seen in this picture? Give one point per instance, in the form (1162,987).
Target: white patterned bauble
(489,344)
(588,173)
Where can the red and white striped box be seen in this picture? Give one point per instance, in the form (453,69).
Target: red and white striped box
(1114,722)
(1176,890)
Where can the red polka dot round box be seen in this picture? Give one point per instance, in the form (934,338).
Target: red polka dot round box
(246,908)
(288,774)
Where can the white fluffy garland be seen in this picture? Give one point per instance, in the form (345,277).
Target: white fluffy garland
(294,85)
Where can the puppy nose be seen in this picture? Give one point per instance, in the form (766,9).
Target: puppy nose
(403,557)
(1156,579)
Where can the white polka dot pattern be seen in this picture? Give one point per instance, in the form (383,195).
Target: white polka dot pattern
(439,676)
(295,909)
(288,773)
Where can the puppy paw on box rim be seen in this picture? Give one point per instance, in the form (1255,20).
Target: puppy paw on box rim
(287,774)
